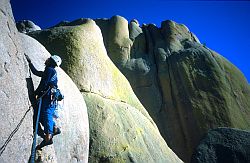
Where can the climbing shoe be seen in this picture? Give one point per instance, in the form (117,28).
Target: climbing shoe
(56,131)
(43,144)
(41,134)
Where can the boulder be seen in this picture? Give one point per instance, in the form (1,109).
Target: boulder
(134,29)
(117,42)
(223,145)
(121,130)
(25,26)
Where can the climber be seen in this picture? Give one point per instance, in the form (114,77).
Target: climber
(47,84)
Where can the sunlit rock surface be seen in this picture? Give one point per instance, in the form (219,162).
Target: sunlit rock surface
(121,130)
(16,134)
(15,116)
(73,143)
(186,88)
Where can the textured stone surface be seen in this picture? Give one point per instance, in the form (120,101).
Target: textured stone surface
(186,87)
(25,26)
(120,128)
(16,119)
(223,145)
(16,135)
(174,34)
(202,92)
(73,142)
(120,133)
(91,74)
(117,42)
(134,29)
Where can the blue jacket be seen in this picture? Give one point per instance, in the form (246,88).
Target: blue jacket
(49,78)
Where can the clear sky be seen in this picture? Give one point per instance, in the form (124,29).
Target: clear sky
(224,26)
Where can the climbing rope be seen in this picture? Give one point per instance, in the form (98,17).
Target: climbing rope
(33,151)
(13,132)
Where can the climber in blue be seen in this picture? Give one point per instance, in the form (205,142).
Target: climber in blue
(48,82)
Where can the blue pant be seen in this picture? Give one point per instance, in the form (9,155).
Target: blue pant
(46,116)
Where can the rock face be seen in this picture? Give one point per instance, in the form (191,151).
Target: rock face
(16,135)
(120,128)
(72,144)
(15,116)
(223,145)
(117,42)
(186,87)
(26,26)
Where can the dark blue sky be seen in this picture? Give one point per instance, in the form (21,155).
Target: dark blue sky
(224,26)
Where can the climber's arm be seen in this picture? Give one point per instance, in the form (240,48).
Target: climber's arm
(35,71)
(32,68)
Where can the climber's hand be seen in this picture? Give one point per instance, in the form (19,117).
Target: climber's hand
(27,57)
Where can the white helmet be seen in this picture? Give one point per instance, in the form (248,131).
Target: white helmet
(57,59)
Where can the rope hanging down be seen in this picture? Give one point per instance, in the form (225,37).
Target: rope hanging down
(33,152)
(13,132)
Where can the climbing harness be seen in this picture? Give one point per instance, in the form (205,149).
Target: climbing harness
(57,95)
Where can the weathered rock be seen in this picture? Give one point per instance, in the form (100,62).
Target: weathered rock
(117,42)
(120,133)
(25,26)
(15,116)
(73,23)
(61,23)
(174,34)
(103,23)
(223,145)
(184,115)
(202,92)
(73,142)
(16,135)
(88,72)
(79,21)
(134,29)
(186,87)
(117,118)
